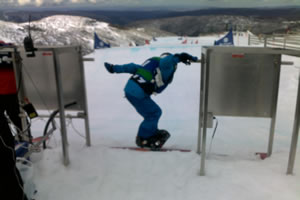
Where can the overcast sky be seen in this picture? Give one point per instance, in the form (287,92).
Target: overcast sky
(163,3)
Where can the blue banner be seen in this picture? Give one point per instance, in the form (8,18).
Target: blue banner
(99,44)
(226,40)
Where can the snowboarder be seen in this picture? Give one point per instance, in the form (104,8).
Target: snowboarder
(152,77)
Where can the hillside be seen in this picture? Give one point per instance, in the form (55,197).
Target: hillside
(75,30)
(191,23)
(203,25)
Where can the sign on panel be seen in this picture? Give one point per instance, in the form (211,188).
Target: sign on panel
(242,84)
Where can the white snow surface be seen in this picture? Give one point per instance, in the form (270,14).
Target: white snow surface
(233,171)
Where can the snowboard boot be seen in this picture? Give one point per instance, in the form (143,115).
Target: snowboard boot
(161,138)
(141,142)
(154,142)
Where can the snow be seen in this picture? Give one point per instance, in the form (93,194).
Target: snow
(233,171)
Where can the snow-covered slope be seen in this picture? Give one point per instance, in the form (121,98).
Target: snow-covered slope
(66,30)
(233,171)
(12,32)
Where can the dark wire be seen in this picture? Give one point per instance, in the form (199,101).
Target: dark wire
(213,135)
(52,116)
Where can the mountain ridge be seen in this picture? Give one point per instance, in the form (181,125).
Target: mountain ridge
(190,23)
(123,17)
(73,30)
(65,29)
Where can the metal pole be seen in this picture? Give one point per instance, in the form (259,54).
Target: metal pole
(200,117)
(17,63)
(294,141)
(61,103)
(265,41)
(274,107)
(249,39)
(206,91)
(86,115)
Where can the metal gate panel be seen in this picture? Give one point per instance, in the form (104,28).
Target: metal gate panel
(40,82)
(242,84)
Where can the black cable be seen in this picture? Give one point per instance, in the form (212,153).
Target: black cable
(213,135)
(52,116)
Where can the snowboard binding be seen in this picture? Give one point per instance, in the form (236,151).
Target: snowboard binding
(154,142)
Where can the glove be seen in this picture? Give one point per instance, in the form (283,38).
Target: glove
(109,67)
(186,58)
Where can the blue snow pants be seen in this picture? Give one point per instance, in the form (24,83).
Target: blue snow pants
(151,112)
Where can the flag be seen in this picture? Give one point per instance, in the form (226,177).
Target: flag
(147,42)
(98,43)
(226,40)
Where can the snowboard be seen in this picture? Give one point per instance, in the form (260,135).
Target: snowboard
(153,150)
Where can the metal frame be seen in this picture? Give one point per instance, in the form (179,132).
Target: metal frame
(59,89)
(295,134)
(85,114)
(204,99)
(17,69)
(285,41)
(61,104)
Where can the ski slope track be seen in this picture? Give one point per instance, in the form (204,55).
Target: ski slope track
(233,171)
